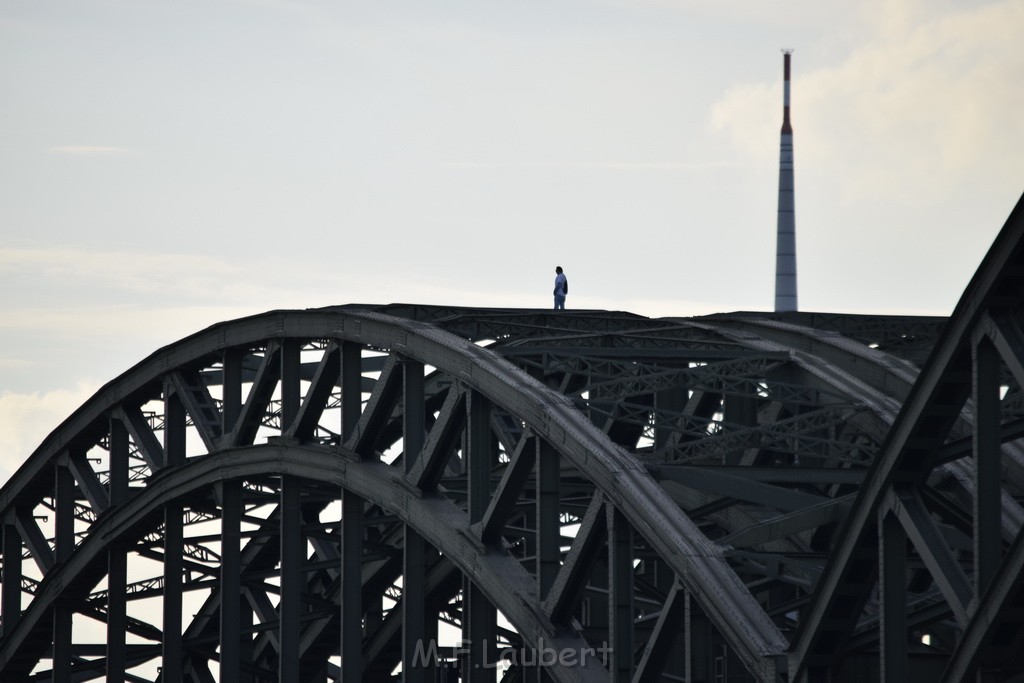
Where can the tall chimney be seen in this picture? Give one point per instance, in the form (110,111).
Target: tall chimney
(785,249)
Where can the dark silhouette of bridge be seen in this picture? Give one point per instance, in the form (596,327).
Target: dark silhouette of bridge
(426,493)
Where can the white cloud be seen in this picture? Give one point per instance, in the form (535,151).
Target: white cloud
(92,151)
(592,165)
(140,272)
(137,321)
(15,363)
(662,165)
(940,91)
(146,280)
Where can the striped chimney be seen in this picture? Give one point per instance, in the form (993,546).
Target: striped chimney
(785,249)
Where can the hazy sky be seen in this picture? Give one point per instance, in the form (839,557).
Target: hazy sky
(165,165)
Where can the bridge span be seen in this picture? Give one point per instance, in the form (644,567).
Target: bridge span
(423,493)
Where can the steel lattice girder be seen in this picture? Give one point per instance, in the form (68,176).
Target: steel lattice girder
(542,414)
(981,346)
(324,490)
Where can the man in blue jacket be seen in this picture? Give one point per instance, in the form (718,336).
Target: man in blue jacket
(561,288)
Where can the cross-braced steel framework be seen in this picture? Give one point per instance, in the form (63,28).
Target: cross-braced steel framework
(424,493)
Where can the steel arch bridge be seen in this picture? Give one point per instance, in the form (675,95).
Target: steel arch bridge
(424,493)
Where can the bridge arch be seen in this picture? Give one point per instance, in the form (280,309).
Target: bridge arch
(312,494)
(538,423)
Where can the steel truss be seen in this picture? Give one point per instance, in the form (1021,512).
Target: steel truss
(416,492)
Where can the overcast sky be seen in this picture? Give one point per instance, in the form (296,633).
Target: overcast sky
(166,165)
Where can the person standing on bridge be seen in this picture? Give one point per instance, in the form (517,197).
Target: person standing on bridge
(561,288)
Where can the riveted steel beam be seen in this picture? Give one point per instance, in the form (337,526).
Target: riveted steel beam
(906,506)
(173,651)
(117,617)
(568,585)
(34,540)
(243,431)
(64,542)
(510,487)
(230,582)
(987,462)
(670,622)
(548,540)
(87,480)
(293,555)
(893,590)
(198,403)
(993,634)
(382,402)
(11,578)
(142,435)
(441,441)
(621,598)
(352,515)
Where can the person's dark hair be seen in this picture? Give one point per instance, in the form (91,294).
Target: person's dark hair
(558,269)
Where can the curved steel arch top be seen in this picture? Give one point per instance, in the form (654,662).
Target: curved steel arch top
(620,478)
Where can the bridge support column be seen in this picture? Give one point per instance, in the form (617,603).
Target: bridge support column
(414,563)
(230,583)
(892,563)
(351,587)
(174,449)
(620,598)
(117,620)
(291,383)
(351,387)
(547,541)
(549,529)
(687,636)
(987,463)
(64,547)
(10,607)
(173,575)
(117,559)
(414,614)
(231,389)
(351,542)
(479,617)
(293,554)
